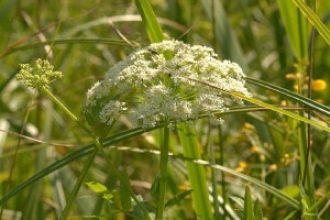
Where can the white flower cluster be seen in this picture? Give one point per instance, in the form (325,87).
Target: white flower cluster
(154,84)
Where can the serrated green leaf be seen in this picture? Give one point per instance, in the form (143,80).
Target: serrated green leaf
(257,210)
(248,205)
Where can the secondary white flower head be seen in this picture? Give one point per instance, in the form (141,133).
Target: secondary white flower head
(154,83)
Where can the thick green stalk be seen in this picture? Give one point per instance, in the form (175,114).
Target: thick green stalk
(196,173)
(163,173)
(214,175)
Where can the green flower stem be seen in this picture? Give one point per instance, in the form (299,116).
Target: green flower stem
(59,103)
(67,111)
(196,173)
(163,172)
(78,184)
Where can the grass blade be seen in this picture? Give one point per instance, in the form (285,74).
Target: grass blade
(267,106)
(231,48)
(295,27)
(316,106)
(152,27)
(314,20)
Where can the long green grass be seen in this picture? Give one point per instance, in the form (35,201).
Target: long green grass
(268,160)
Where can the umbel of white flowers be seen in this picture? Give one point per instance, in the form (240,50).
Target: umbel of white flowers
(154,84)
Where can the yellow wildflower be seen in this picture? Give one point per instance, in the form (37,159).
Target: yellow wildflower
(319,85)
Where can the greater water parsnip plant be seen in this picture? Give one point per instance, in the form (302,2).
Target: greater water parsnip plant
(149,88)
(152,86)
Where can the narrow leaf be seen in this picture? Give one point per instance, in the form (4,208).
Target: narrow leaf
(225,35)
(313,105)
(152,27)
(295,27)
(176,199)
(266,105)
(155,188)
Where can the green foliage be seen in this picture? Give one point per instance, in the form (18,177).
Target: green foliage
(178,198)
(125,197)
(248,209)
(314,20)
(48,149)
(295,26)
(151,25)
(248,205)
(100,189)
